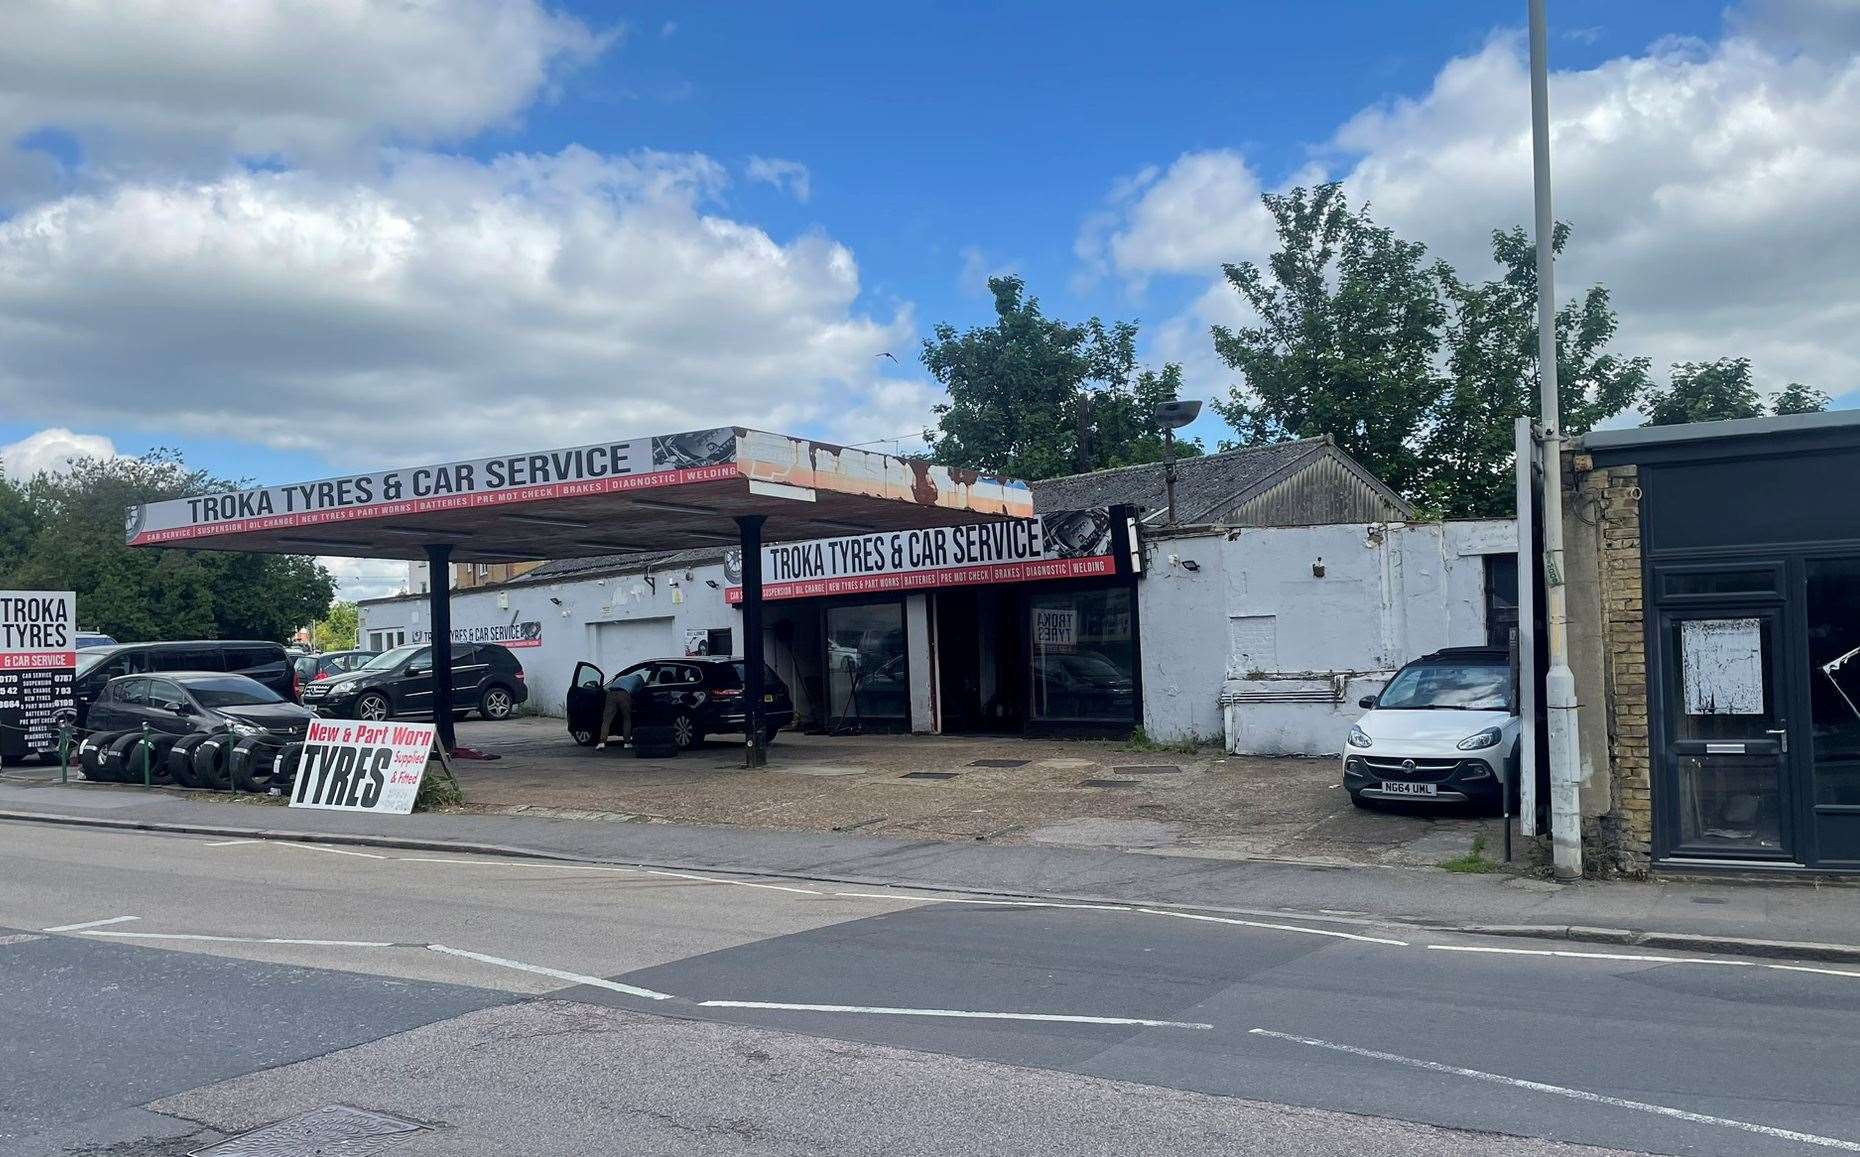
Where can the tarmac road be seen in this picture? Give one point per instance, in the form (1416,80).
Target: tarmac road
(169,990)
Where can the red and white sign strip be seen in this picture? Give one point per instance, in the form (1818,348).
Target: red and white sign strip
(38,662)
(1022,550)
(351,765)
(605,468)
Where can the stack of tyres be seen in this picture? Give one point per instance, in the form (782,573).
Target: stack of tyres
(284,768)
(180,759)
(89,754)
(122,758)
(249,763)
(210,761)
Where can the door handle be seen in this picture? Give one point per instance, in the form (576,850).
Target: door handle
(1782,738)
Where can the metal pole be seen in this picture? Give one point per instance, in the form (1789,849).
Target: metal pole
(64,753)
(755,748)
(439,602)
(142,748)
(1169,469)
(1560,684)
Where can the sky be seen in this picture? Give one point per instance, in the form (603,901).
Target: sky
(298,239)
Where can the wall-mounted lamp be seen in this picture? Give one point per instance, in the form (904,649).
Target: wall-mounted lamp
(1190,564)
(556,601)
(1317,568)
(711,583)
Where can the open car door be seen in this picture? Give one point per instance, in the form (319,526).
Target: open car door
(586,697)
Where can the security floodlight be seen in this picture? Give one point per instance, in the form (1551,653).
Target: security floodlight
(1172,416)
(1175,415)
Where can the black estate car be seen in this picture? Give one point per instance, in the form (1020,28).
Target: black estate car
(183,701)
(486,678)
(693,697)
(265,662)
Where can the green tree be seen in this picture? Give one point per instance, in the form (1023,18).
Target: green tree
(1796,398)
(1494,380)
(1704,392)
(1348,337)
(1023,390)
(337,630)
(76,543)
(18,523)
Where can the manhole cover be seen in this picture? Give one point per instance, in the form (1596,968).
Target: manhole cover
(1148,769)
(999,763)
(325,1132)
(1108,783)
(930,775)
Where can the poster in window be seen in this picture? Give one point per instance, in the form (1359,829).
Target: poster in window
(1721,666)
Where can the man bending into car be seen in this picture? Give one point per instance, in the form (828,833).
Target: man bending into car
(619,701)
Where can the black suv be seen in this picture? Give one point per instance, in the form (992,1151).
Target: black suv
(691,697)
(265,662)
(486,678)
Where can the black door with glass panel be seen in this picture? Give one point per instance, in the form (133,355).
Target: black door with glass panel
(1831,633)
(1723,742)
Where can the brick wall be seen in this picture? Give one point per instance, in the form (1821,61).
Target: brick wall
(1612,497)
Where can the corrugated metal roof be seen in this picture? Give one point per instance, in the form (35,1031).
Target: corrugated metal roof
(1207,486)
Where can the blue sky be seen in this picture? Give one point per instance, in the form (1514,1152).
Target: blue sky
(371,234)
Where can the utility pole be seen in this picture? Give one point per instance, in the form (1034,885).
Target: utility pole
(1560,683)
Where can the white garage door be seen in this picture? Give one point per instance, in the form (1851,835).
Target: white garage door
(618,645)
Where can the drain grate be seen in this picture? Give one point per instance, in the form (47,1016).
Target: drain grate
(328,1131)
(930,775)
(1107,783)
(1147,769)
(999,763)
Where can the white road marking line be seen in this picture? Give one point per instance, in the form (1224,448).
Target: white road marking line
(331,851)
(1573,1094)
(1279,927)
(960,1014)
(1628,956)
(228,843)
(91,924)
(1806,968)
(245,939)
(572,977)
(545,865)
(740,883)
(995,903)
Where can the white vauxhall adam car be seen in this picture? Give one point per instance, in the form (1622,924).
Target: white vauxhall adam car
(1444,729)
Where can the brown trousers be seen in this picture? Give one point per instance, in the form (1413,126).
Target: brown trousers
(620,701)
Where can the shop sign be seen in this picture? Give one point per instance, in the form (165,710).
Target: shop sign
(38,664)
(604,468)
(1055,627)
(352,765)
(1069,544)
(528,633)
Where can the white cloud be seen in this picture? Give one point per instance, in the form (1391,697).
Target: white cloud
(142,80)
(366,578)
(1711,187)
(50,451)
(790,177)
(446,308)
(1203,210)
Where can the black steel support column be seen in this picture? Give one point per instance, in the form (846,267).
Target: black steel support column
(755,747)
(439,601)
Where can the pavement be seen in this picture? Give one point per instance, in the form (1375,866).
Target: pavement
(177,990)
(1803,918)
